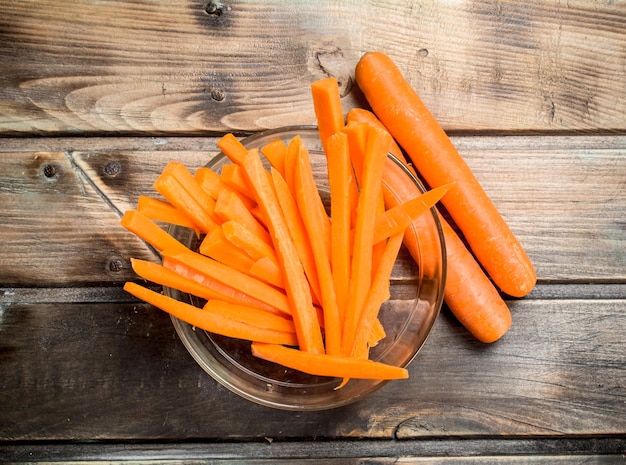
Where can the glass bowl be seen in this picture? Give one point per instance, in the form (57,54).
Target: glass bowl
(408,316)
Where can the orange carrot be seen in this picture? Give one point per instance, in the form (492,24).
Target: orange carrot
(234,150)
(180,188)
(275,152)
(327,365)
(209,321)
(150,232)
(398,218)
(159,210)
(209,181)
(401,110)
(361,267)
(267,270)
(232,177)
(327,107)
(297,230)
(297,287)
(250,315)
(230,207)
(481,307)
(378,293)
(226,275)
(307,196)
(158,274)
(361,115)
(340,178)
(246,240)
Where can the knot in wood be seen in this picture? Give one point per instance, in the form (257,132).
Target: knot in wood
(217,95)
(116,265)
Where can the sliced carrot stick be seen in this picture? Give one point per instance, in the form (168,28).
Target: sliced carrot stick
(327,107)
(398,218)
(234,150)
(297,230)
(180,188)
(378,293)
(250,315)
(361,267)
(228,276)
(149,231)
(340,178)
(307,196)
(327,365)
(230,207)
(296,285)
(159,210)
(401,110)
(361,115)
(232,177)
(239,235)
(158,274)
(294,147)
(216,246)
(378,334)
(209,181)
(269,271)
(209,321)
(275,151)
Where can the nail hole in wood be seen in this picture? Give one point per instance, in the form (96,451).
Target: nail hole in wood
(116,265)
(217,95)
(112,168)
(214,9)
(49,171)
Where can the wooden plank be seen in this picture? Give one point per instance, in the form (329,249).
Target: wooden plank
(116,371)
(564,197)
(171,67)
(541,451)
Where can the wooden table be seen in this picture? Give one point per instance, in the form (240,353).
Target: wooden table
(95,98)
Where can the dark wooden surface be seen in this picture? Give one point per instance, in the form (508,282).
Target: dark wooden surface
(96,97)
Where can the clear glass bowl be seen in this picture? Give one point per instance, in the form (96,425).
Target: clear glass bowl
(408,316)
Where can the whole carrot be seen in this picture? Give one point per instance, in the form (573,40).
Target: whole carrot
(406,117)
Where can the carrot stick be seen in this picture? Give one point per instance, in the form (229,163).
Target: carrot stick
(361,115)
(340,178)
(159,210)
(398,218)
(228,276)
(275,152)
(307,196)
(327,107)
(232,177)
(150,232)
(230,207)
(234,150)
(209,181)
(250,315)
(267,270)
(327,365)
(296,285)
(209,321)
(297,230)
(379,292)
(401,110)
(361,267)
(246,240)
(165,277)
(180,188)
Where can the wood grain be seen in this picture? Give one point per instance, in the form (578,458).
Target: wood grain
(170,67)
(563,197)
(117,371)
